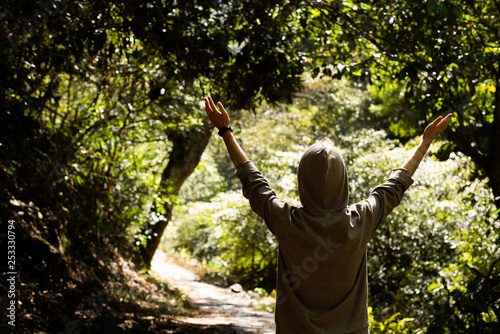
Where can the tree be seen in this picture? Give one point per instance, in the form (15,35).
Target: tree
(445,53)
(91,77)
(241,58)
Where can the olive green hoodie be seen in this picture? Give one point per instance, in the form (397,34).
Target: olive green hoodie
(322,276)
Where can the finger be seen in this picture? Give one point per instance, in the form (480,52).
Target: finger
(212,104)
(445,121)
(207,107)
(221,107)
(437,120)
(208,104)
(207,101)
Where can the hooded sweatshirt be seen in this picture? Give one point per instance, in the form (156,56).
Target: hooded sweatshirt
(322,282)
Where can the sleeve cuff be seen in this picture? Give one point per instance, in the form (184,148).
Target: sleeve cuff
(403,176)
(245,168)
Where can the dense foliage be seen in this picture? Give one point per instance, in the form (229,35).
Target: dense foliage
(101,123)
(88,85)
(444,54)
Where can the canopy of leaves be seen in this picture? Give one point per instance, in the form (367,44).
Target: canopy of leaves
(93,97)
(446,55)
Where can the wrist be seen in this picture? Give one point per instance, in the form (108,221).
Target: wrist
(224,129)
(425,143)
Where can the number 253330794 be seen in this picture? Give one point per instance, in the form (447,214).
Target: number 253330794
(11,246)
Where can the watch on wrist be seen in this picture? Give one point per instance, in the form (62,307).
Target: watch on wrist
(224,129)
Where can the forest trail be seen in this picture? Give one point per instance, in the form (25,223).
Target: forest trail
(214,305)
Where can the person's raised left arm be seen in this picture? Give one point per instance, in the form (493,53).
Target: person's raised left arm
(220,119)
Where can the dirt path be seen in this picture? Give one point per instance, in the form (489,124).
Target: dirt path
(215,305)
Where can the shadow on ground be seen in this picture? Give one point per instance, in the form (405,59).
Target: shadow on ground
(206,329)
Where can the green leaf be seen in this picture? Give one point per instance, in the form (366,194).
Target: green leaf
(432,6)
(315,72)
(457,12)
(443,8)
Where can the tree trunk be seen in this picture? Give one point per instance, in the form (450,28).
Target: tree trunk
(489,163)
(494,178)
(183,159)
(482,144)
(493,166)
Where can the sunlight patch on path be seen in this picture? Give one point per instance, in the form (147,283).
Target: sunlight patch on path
(216,305)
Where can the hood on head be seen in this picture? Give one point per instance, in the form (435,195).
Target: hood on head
(322,179)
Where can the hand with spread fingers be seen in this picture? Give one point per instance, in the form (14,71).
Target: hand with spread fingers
(220,119)
(218,116)
(436,127)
